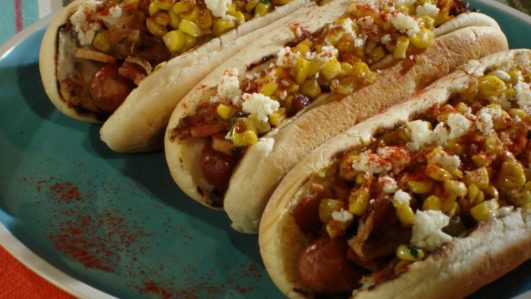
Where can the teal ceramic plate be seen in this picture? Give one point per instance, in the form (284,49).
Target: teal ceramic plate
(101,224)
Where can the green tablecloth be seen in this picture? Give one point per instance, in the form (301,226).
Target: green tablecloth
(15,15)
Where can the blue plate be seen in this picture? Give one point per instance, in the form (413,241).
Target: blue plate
(101,224)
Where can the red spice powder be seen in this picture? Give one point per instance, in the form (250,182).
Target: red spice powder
(65,191)
(150,287)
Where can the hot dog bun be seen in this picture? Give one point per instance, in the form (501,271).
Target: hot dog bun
(468,36)
(492,249)
(139,124)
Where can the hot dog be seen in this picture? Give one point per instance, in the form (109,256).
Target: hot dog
(430,199)
(143,55)
(321,76)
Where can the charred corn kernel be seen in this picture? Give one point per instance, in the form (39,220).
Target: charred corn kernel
(205,19)
(182,7)
(223,25)
(484,211)
(336,228)
(406,253)
(174,20)
(450,207)
(327,206)
(423,39)
(455,188)
(311,88)
(101,41)
(437,173)
(491,86)
(174,40)
(491,192)
(220,144)
(268,88)
(155,28)
(261,8)
(189,28)
(162,18)
(302,69)
(152,9)
(277,116)
(377,54)
(358,201)
(225,111)
(478,177)
(331,69)
(246,138)
(432,202)
(250,5)
(304,46)
(420,187)
(192,15)
(239,16)
(189,41)
(164,4)
(402,43)
(511,176)
(428,22)
(343,86)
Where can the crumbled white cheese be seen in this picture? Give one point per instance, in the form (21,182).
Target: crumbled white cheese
(283,94)
(229,86)
(84,24)
(484,119)
(440,134)
(388,184)
(347,27)
(401,197)
(218,8)
(523,96)
(298,31)
(342,216)
(286,57)
(359,42)
(446,161)
(502,75)
(427,9)
(459,125)
(384,160)
(427,230)
(386,38)
(420,134)
(405,24)
(265,144)
(260,105)
(327,53)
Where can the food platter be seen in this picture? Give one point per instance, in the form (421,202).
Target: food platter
(99,224)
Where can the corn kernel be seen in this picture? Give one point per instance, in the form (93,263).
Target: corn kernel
(377,54)
(268,88)
(192,15)
(422,39)
(101,41)
(315,67)
(182,7)
(155,28)
(336,228)
(189,28)
(311,88)
(327,206)
(429,22)
(358,201)
(437,173)
(174,20)
(259,126)
(223,25)
(346,170)
(174,40)
(479,177)
(516,75)
(302,68)
(404,252)
(239,16)
(225,111)
(220,144)
(152,9)
(246,138)
(164,4)
(343,85)
(162,18)
(331,69)
(484,211)
(511,176)
(189,41)
(432,202)
(405,214)
(491,87)
(402,43)
(250,5)
(420,187)
(455,188)
(277,116)
(450,207)
(303,47)
(205,19)
(261,8)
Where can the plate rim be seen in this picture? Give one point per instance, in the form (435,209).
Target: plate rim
(68,283)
